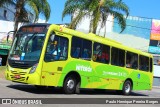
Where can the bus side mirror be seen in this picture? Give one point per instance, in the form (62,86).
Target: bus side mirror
(8,34)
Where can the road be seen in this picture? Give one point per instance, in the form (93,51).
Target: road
(10,89)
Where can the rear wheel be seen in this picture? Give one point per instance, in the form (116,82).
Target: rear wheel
(127,87)
(70,84)
(78,88)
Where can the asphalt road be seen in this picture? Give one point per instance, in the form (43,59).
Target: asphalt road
(10,89)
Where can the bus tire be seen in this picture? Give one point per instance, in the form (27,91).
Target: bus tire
(127,87)
(77,88)
(70,84)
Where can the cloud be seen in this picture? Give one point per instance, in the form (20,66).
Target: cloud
(41,21)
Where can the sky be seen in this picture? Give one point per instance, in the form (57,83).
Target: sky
(140,8)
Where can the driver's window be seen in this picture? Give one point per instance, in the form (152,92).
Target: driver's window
(57,48)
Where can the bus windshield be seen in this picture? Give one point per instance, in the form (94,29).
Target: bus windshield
(27,46)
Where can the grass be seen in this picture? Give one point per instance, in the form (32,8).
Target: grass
(2,69)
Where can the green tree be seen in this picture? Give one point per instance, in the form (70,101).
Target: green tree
(97,10)
(37,7)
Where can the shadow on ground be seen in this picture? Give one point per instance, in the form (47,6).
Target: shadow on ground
(53,90)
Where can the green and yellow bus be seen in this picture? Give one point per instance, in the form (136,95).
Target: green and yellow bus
(51,55)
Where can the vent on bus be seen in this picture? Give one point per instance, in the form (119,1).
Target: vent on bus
(20,73)
(22,66)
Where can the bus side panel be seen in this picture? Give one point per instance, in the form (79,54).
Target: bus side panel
(141,80)
(83,68)
(96,75)
(109,77)
(102,76)
(52,72)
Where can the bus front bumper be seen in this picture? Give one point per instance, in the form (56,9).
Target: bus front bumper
(23,77)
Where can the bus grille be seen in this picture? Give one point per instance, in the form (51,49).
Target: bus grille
(22,66)
(20,74)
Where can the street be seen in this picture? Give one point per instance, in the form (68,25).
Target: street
(10,89)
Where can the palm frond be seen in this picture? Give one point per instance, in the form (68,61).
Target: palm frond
(40,7)
(5,2)
(71,9)
(33,6)
(96,9)
(76,20)
(96,19)
(23,16)
(121,20)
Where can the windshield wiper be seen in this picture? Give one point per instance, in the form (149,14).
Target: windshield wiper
(34,34)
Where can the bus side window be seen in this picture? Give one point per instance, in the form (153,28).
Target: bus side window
(86,50)
(57,49)
(76,47)
(118,57)
(81,48)
(76,53)
(143,63)
(85,54)
(151,64)
(131,60)
(101,53)
(105,58)
(97,52)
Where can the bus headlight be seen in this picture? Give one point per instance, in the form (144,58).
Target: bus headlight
(33,69)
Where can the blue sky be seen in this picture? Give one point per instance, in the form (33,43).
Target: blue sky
(141,8)
(57,7)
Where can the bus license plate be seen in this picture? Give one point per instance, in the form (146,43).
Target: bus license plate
(17,76)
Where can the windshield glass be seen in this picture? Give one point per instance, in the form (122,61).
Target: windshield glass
(27,46)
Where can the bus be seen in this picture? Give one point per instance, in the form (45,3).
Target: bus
(52,55)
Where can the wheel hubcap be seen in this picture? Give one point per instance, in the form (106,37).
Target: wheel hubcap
(70,84)
(127,88)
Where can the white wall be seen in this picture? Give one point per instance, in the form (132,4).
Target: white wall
(84,25)
(6,26)
(156,70)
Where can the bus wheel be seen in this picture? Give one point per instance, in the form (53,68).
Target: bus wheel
(127,87)
(77,88)
(70,85)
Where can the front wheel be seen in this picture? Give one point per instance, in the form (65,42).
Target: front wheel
(69,86)
(127,87)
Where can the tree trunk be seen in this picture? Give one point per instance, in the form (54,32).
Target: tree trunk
(19,6)
(105,26)
(95,29)
(96,18)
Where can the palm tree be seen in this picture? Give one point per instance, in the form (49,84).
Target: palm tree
(97,10)
(2,2)
(36,6)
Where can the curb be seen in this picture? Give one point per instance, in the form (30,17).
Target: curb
(156,87)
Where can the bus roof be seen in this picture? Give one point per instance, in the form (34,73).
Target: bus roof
(98,39)
(37,24)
